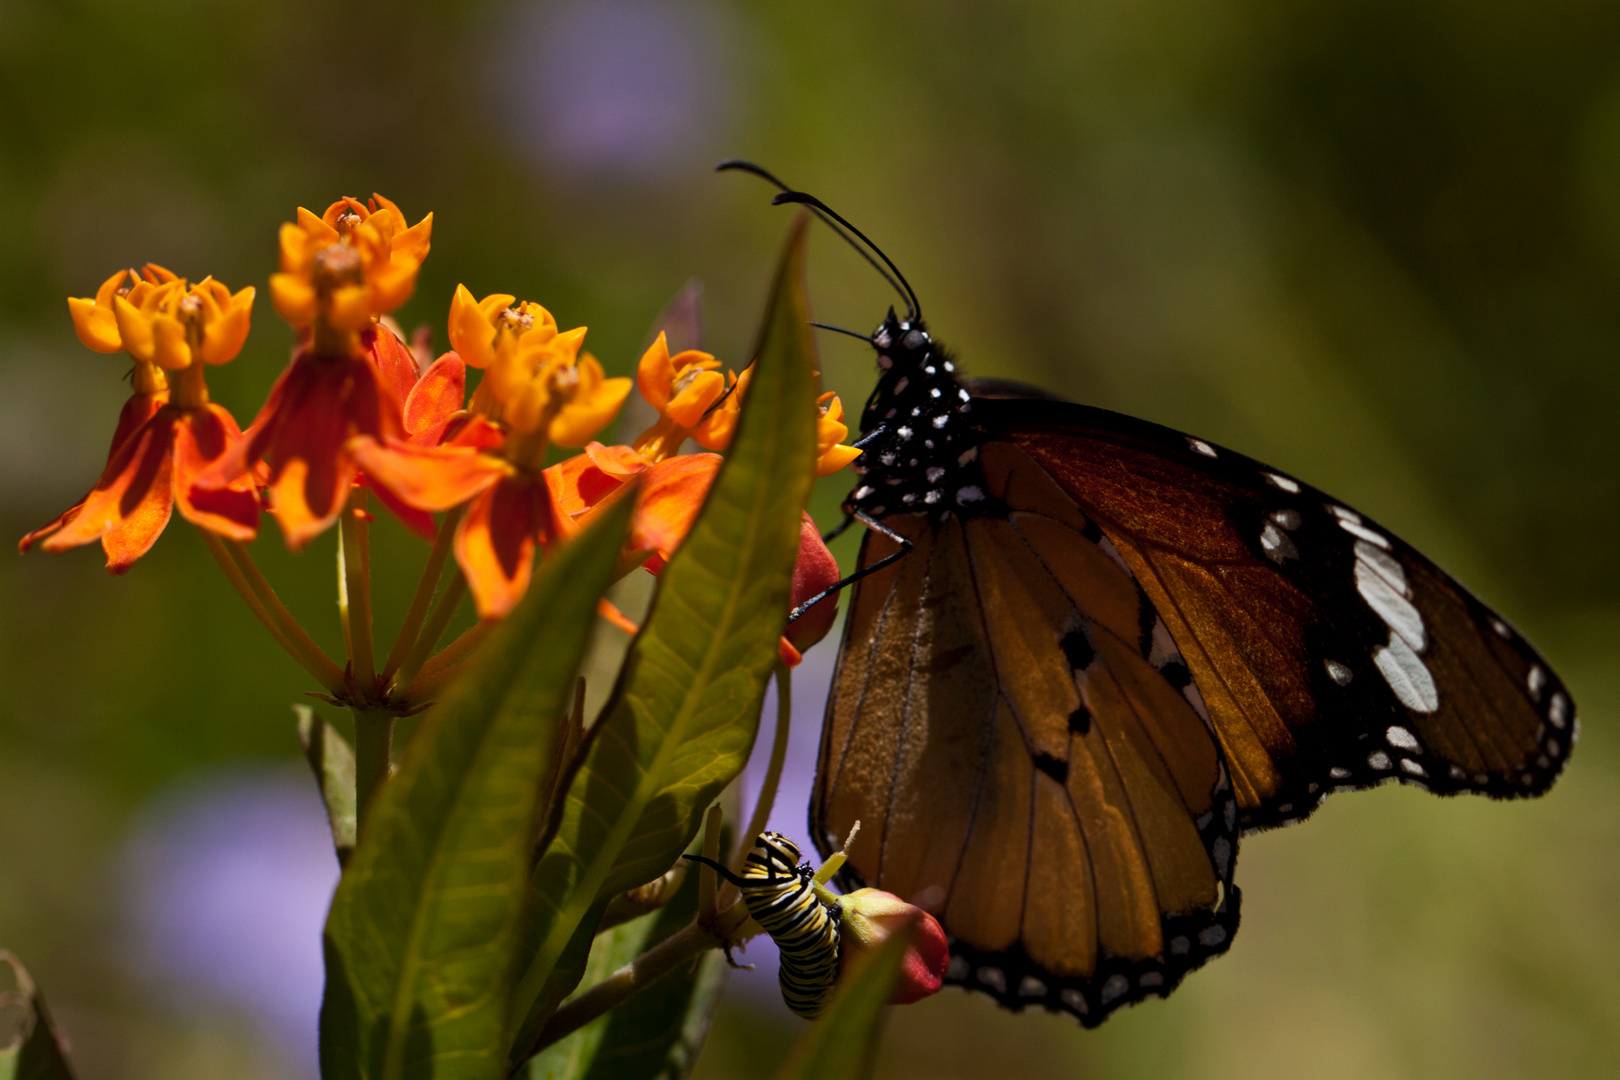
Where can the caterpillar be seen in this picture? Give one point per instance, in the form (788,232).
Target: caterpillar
(777,891)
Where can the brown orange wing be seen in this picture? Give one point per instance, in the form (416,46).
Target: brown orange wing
(1009,728)
(1330,655)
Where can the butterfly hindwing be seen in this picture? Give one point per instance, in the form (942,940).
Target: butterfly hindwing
(1025,762)
(1331,655)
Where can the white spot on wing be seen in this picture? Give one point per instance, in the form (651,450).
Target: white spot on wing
(970,494)
(1201,446)
(1402,739)
(1558,711)
(1277,544)
(1379,760)
(1339,673)
(1407,676)
(1339,773)
(1536,681)
(1288,519)
(1075,1000)
(1388,599)
(1277,480)
(1502,629)
(993,978)
(1114,988)
(1360,531)
(1031,987)
(1212,936)
(1412,767)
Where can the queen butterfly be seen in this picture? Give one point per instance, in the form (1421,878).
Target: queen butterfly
(1085,652)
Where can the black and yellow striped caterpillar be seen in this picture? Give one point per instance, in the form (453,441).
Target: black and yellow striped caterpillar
(779,895)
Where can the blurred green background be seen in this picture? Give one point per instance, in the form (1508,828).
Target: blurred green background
(1374,243)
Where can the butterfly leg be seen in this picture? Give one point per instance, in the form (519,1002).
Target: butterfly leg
(877,527)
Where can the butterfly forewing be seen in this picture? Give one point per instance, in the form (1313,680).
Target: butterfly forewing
(1329,653)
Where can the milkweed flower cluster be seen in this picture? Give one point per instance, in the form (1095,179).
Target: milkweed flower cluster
(354,412)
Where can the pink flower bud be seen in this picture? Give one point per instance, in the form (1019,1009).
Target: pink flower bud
(815,570)
(868,916)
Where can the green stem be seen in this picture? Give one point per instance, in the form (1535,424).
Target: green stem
(373,752)
(261,599)
(773,775)
(354,592)
(425,588)
(684,945)
(457,651)
(443,612)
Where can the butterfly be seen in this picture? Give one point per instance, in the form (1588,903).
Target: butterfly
(1085,653)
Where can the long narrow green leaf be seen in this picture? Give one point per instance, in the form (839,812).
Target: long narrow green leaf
(423,938)
(31,1050)
(683,715)
(841,1042)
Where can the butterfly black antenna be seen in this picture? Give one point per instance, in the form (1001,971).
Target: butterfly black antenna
(841,330)
(832,221)
(806,199)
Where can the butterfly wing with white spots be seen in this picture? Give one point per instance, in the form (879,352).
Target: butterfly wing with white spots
(1329,653)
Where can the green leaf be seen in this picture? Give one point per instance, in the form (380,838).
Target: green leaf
(841,1042)
(332,760)
(656,1034)
(31,1050)
(423,938)
(683,715)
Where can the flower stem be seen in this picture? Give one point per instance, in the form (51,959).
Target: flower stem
(443,612)
(425,588)
(457,651)
(261,599)
(685,944)
(373,752)
(354,592)
(773,775)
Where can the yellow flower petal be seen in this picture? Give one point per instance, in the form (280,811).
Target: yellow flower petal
(224,335)
(169,348)
(655,373)
(587,414)
(688,406)
(350,307)
(415,241)
(834,459)
(134,328)
(471,333)
(294,298)
(109,289)
(96,326)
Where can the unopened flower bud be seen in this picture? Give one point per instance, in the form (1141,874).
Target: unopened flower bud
(814,571)
(868,917)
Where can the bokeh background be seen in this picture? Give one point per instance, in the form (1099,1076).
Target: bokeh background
(1376,243)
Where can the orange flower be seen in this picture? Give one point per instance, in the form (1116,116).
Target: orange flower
(692,398)
(538,389)
(297,445)
(166,437)
(349,375)
(354,262)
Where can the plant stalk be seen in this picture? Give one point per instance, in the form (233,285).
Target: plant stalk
(261,599)
(373,753)
(354,592)
(425,588)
